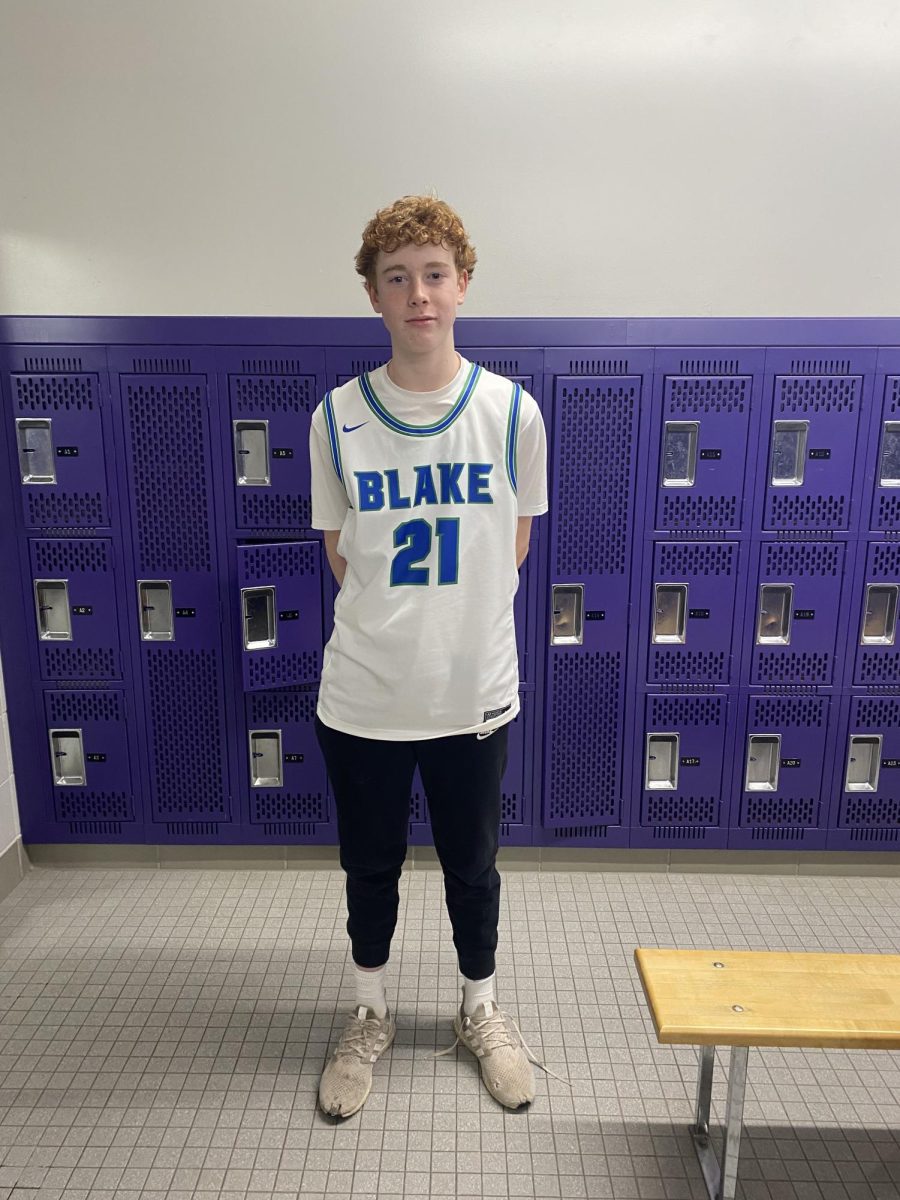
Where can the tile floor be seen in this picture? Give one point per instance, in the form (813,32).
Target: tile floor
(162,1033)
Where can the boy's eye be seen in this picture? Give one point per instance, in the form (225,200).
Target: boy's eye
(395,279)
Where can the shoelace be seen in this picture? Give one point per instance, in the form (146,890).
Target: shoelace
(502,1037)
(359,1037)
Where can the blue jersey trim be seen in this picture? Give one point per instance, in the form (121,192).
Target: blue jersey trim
(333,442)
(512,435)
(398,426)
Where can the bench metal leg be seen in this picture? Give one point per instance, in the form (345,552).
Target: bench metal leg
(720,1181)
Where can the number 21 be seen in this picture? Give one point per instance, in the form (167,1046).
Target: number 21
(412,541)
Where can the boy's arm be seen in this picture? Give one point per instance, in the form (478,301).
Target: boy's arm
(337,563)
(523,533)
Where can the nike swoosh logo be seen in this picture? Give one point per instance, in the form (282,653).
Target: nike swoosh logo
(350,428)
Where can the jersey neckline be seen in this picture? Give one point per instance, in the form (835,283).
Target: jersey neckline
(387,418)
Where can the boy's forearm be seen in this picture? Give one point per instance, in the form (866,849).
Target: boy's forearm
(523,534)
(337,563)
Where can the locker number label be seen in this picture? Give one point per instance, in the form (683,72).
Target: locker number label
(289,614)
(185,612)
(282,452)
(689,760)
(293,758)
(82,610)
(820,454)
(710,454)
(95,757)
(66,451)
(790,762)
(890,762)
(804,614)
(595,614)
(698,614)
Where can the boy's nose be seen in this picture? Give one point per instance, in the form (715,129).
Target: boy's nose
(417,293)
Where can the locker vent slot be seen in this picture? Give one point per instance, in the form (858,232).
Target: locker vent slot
(820,366)
(261,562)
(68,558)
(360,365)
(795,712)
(872,810)
(55,393)
(69,510)
(296,806)
(290,830)
(699,512)
(282,708)
(597,431)
(271,394)
(271,366)
(598,366)
(580,831)
(70,662)
(876,713)
(84,707)
(786,833)
(90,805)
(94,828)
(707,395)
(673,665)
(168,452)
(816,393)
(892,395)
(676,712)
(792,560)
(682,810)
(279,511)
(161,366)
(774,665)
(874,835)
(679,833)
(696,559)
(268,670)
(511,808)
(188,754)
(780,810)
(585,736)
(500,366)
(192,828)
(806,512)
(880,666)
(888,514)
(418,809)
(709,366)
(57,363)
(885,562)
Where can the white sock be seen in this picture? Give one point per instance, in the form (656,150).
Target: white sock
(477,991)
(370,989)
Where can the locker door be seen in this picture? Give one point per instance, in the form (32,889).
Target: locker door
(868,759)
(682,751)
(75,615)
(885,506)
(873,619)
(280,602)
(61,452)
(795,614)
(595,437)
(89,760)
(692,607)
(701,459)
(781,766)
(284,780)
(811,451)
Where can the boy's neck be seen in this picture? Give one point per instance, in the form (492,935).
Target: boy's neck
(426,373)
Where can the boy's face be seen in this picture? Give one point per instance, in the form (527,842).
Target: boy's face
(417,291)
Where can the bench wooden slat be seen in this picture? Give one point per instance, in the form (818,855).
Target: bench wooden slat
(787,999)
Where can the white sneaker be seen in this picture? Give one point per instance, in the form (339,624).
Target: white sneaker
(347,1078)
(494,1039)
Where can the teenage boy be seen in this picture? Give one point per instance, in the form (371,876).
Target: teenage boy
(426,474)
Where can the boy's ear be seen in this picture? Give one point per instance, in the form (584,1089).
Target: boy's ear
(462,283)
(372,293)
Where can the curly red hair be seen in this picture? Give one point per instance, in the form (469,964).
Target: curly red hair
(416,219)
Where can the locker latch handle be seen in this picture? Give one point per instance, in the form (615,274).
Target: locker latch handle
(567,626)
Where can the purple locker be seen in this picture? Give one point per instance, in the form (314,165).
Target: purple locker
(62,457)
(873,618)
(867,775)
(516,800)
(344,363)
(700,439)
(691,598)
(87,743)
(682,750)
(595,433)
(885,507)
(811,443)
(780,764)
(177,588)
(75,617)
(284,783)
(280,614)
(271,397)
(793,614)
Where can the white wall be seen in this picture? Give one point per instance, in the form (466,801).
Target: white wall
(637,158)
(9,813)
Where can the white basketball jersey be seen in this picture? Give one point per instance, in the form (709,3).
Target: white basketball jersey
(424,643)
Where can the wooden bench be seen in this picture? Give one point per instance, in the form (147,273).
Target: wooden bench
(746,998)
